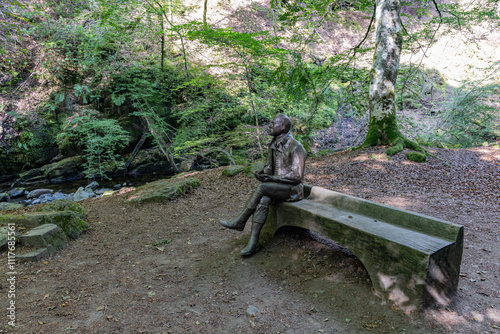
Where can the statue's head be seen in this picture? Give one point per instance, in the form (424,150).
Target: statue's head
(279,125)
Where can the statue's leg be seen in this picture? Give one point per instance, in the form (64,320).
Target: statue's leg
(259,218)
(239,222)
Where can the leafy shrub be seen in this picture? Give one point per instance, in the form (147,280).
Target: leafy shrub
(468,118)
(31,140)
(100,139)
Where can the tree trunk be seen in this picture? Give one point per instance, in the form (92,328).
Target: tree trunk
(161,144)
(136,149)
(205,8)
(162,43)
(383,123)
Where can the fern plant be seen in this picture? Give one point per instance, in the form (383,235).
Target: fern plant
(100,140)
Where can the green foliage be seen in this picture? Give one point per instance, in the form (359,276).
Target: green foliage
(310,14)
(162,242)
(145,85)
(129,59)
(214,113)
(33,142)
(419,88)
(469,116)
(101,139)
(242,43)
(82,92)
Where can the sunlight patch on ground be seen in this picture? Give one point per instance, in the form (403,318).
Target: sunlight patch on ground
(451,319)
(489,154)
(375,160)
(378,167)
(447,318)
(493,314)
(362,157)
(477,316)
(398,202)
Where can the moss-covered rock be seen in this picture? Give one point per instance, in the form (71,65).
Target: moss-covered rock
(64,205)
(30,174)
(25,220)
(66,168)
(48,236)
(10,206)
(416,156)
(253,168)
(4,197)
(69,221)
(233,170)
(163,190)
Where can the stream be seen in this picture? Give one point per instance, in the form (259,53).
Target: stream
(66,189)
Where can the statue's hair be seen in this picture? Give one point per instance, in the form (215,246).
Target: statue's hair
(286,121)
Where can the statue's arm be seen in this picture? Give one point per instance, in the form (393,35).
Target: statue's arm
(268,168)
(296,173)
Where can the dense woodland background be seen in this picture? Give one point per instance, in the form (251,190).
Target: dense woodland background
(198,80)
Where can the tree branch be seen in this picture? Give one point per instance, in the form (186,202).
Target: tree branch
(439,12)
(368,30)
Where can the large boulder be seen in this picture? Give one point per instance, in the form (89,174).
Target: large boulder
(163,190)
(69,219)
(253,168)
(30,174)
(66,169)
(83,193)
(48,236)
(17,192)
(39,192)
(233,170)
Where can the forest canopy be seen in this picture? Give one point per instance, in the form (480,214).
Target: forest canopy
(202,78)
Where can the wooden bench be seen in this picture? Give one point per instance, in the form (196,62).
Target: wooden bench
(413,260)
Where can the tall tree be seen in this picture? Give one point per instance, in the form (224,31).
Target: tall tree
(384,72)
(383,128)
(388,43)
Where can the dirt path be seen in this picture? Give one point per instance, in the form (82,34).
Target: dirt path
(112,280)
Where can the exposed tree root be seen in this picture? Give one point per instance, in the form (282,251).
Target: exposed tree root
(399,143)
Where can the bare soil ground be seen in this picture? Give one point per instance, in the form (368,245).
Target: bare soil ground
(170,267)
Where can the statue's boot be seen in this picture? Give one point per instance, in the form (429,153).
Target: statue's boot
(239,222)
(259,218)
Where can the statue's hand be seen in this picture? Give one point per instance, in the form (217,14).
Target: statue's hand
(262,177)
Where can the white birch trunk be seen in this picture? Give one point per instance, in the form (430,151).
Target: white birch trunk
(383,124)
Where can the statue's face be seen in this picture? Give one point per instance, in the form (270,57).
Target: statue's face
(276,127)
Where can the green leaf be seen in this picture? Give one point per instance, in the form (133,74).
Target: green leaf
(118,100)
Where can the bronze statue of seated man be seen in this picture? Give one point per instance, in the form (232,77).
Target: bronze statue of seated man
(281,180)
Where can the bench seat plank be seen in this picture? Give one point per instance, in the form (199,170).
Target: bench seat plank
(425,243)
